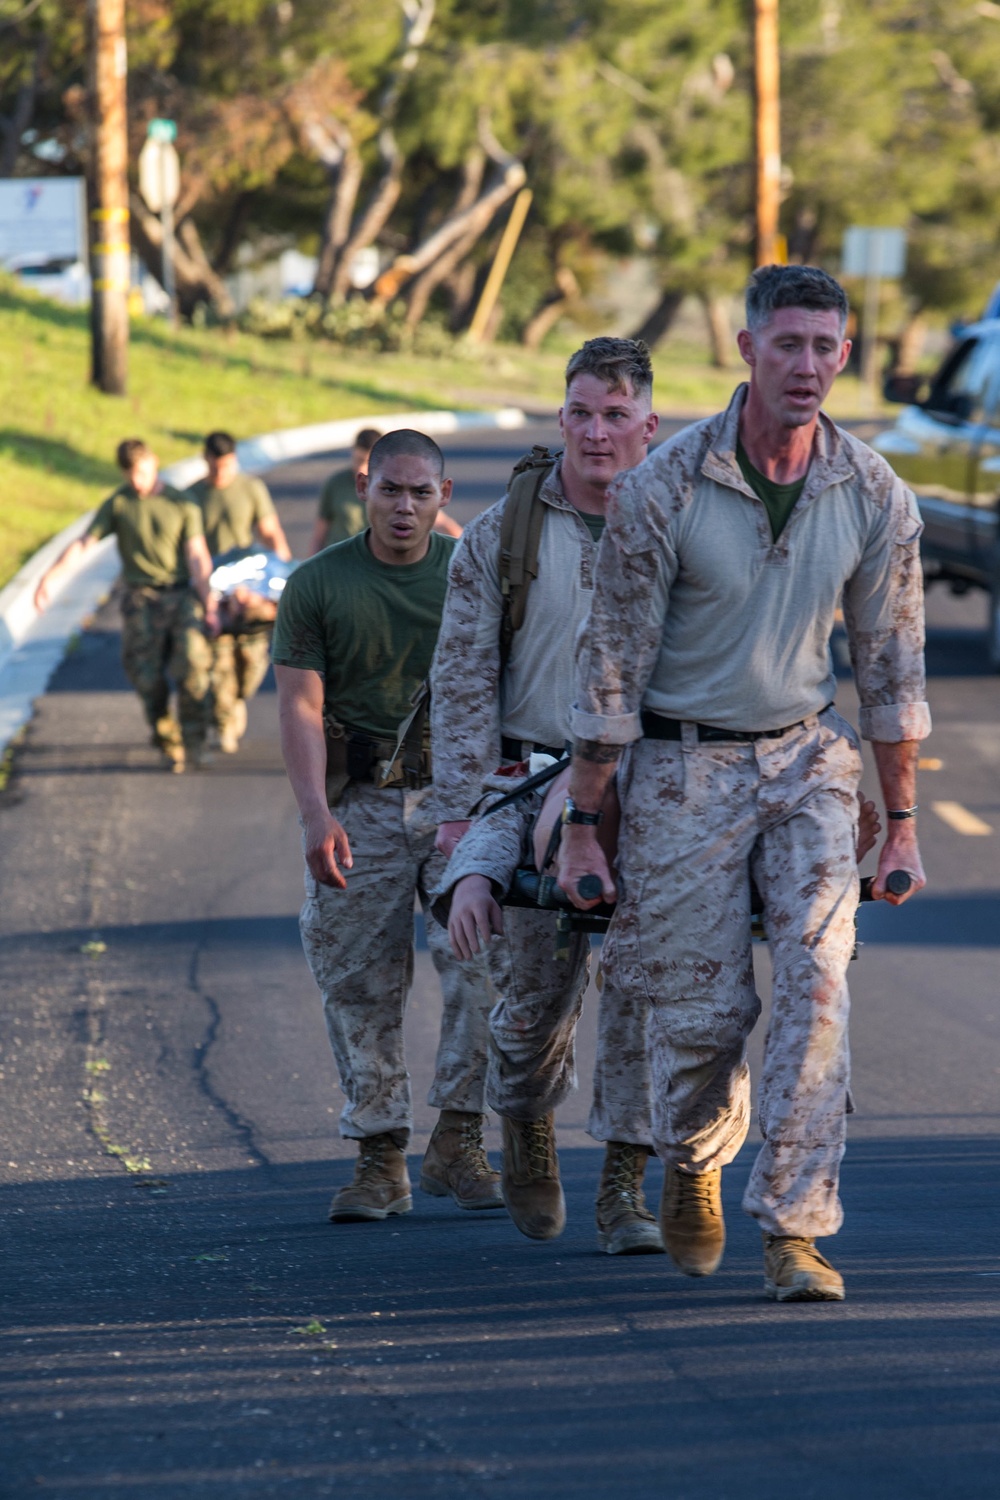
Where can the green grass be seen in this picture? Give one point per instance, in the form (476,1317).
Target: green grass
(58,435)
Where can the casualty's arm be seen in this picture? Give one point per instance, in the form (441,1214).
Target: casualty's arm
(303,745)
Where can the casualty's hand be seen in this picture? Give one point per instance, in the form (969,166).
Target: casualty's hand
(326,843)
(580,854)
(475,916)
(450,835)
(899,852)
(42,593)
(869,827)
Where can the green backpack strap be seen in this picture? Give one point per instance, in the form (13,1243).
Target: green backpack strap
(520,536)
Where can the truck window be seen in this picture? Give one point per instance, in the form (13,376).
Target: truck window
(966,381)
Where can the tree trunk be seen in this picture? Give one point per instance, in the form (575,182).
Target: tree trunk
(469,224)
(424,286)
(337,223)
(566,289)
(720,335)
(196,281)
(13,126)
(232,234)
(374,217)
(656,325)
(911,344)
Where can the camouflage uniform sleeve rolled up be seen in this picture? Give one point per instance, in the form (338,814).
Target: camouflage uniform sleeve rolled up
(465,673)
(494,846)
(884,616)
(619,641)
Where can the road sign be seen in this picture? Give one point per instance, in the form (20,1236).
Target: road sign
(874,252)
(42,220)
(159,174)
(162,130)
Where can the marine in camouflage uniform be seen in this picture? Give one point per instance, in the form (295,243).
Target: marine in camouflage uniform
(166,604)
(706,654)
(485,712)
(353,642)
(237,511)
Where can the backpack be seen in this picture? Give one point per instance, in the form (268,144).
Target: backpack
(520,535)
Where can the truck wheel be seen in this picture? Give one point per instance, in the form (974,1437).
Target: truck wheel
(993,626)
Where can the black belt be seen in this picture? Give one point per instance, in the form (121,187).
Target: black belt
(658,727)
(514,749)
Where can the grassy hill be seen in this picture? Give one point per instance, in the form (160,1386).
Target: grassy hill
(58,436)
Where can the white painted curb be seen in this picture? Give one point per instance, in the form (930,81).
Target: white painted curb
(33,645)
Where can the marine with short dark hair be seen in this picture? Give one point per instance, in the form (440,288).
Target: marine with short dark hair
(493,702)
(353,644)
(166,603)
(705,680)
(238,512)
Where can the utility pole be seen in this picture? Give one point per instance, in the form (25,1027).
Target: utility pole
(109,237)
(767,129)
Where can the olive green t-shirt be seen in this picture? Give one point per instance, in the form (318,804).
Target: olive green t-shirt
(151,531)
(370,628)
(778,499)
(340,508)
(594,524)
(231,514)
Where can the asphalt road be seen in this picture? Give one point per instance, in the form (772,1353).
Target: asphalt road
(180,1319)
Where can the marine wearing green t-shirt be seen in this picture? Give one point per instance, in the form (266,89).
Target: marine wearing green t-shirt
(368,627)
(231,513)
(779,500)
(340,508)
(151,531)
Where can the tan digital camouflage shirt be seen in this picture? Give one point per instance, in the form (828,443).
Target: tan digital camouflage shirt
(470,706)
(699,614)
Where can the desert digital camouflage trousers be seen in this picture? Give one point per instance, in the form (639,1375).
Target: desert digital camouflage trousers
(162,638)
(359,944)
(239,666)
(538,999)
(697,820)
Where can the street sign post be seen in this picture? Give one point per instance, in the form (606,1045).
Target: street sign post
(877,255)
(160,186)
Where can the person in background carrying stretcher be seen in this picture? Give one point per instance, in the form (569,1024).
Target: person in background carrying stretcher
(352,646)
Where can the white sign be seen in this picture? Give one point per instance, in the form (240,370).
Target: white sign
(159,174)
(874,252)
(42,220)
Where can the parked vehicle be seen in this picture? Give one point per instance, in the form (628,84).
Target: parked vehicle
(946,446)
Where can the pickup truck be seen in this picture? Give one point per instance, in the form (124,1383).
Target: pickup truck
(946,446)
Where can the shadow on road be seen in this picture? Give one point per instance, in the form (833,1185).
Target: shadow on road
(213,1335)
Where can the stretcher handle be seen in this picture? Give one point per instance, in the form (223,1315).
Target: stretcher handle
(897,883)
(590,888)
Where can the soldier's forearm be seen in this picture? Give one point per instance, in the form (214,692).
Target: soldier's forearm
(303,746)
(594,765)
(897,772)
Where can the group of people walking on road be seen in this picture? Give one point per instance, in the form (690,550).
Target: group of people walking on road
(669,615)
(620,677)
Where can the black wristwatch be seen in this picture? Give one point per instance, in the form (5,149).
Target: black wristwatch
(572,814)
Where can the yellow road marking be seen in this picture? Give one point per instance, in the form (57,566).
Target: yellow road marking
(960,818)
(929,763)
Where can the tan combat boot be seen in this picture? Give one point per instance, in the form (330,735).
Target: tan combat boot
(530,1179)
(381,1184)
(167,739)
(455,1163)
(625,1225)
(691,1222)
(234,728)
(794,1271)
